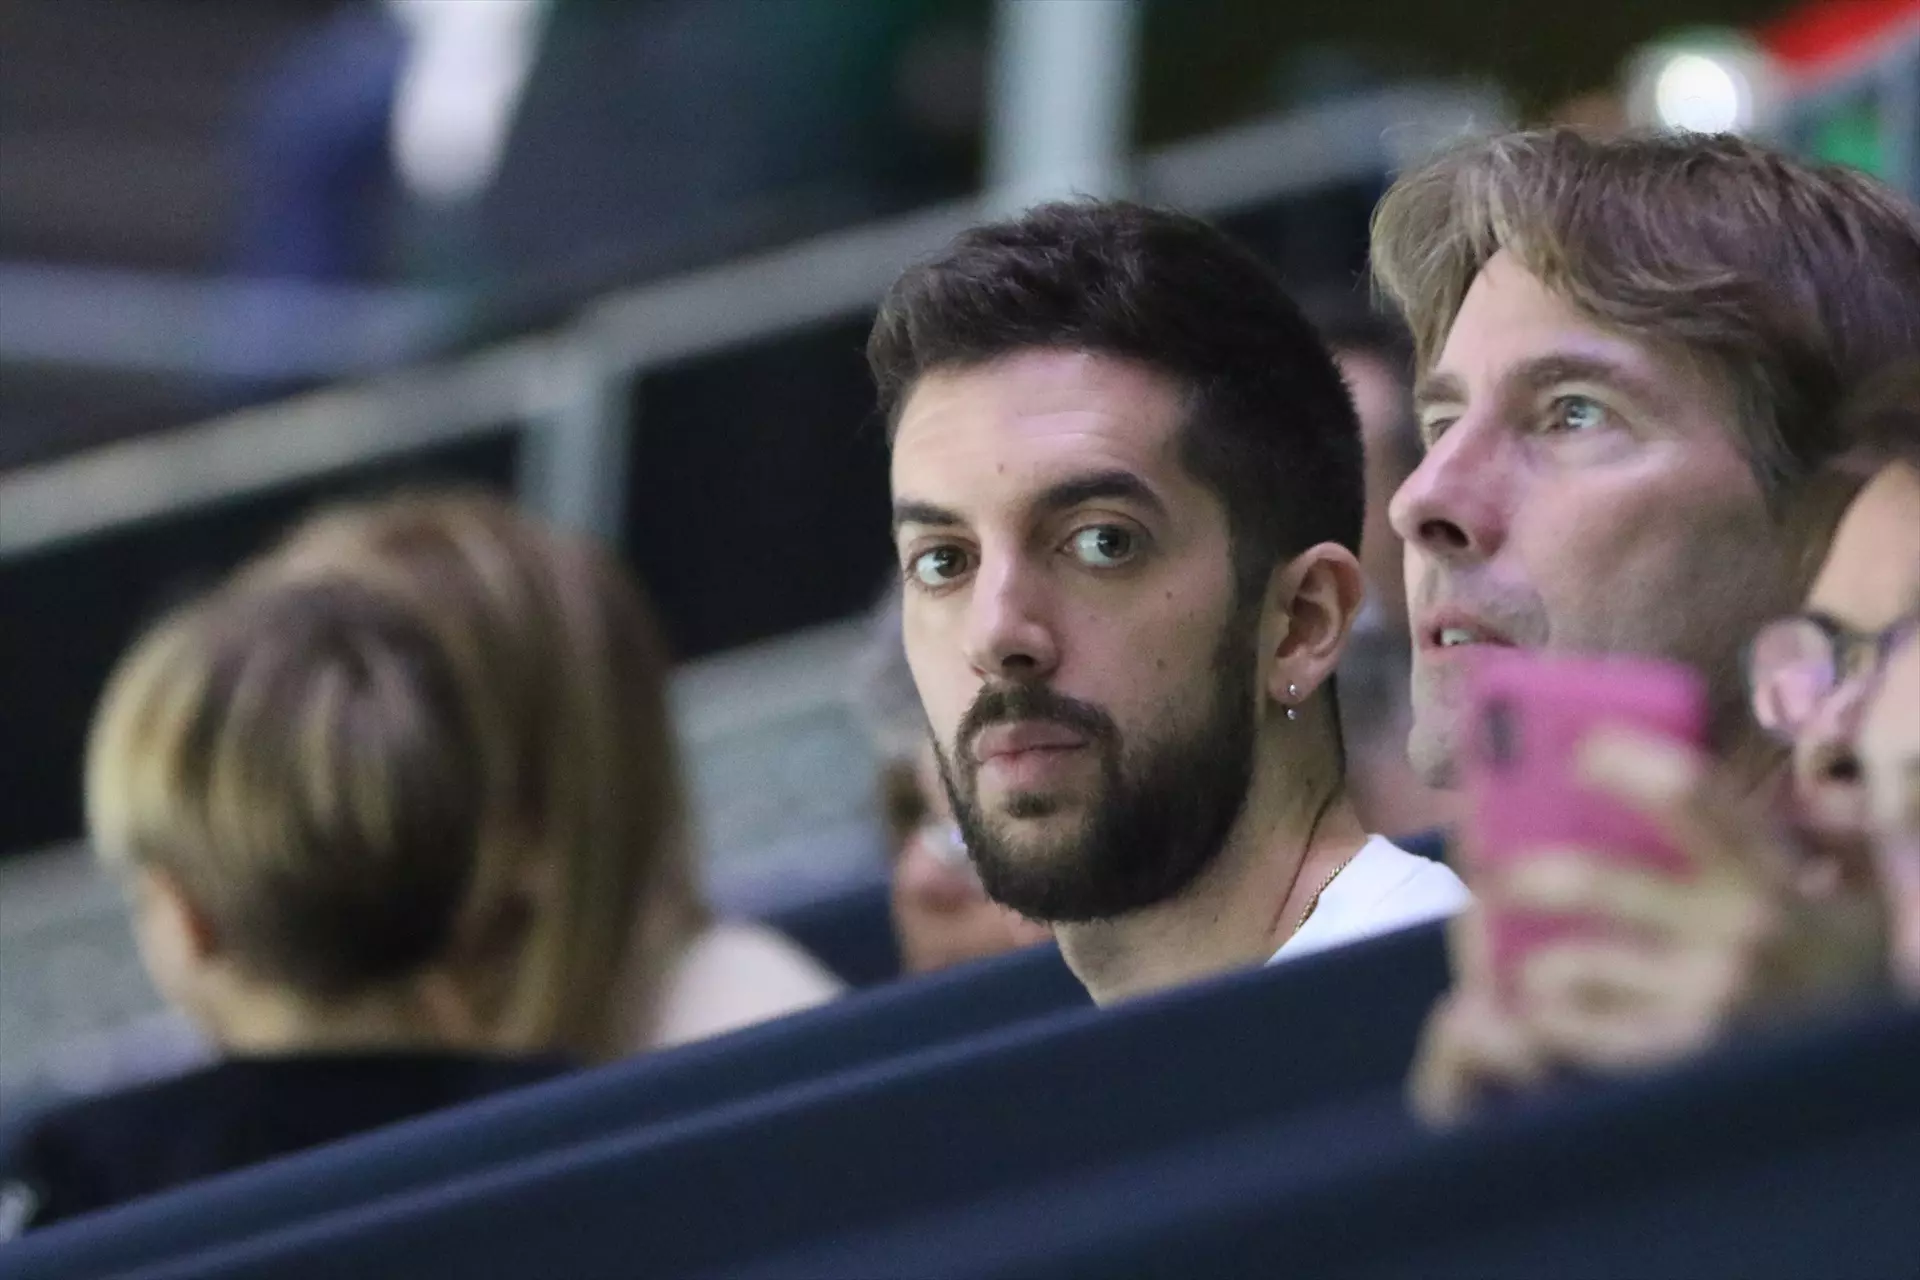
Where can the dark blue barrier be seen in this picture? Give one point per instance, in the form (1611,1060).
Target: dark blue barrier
(850,932)
(857,1149)
(1779,1159)
(862,1028)
(1795,1156)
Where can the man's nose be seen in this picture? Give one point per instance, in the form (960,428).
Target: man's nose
(1009,636)
(1825,754)
(1455,505)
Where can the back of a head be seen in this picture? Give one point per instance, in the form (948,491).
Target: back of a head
(1270,425)
(1791,281)
(299,764)
(562,669)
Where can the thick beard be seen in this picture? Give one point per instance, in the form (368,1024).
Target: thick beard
(1161,816)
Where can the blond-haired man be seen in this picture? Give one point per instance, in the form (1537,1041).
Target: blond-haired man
(1629,355)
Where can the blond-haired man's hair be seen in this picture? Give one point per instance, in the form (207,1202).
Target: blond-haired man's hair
(299,764)
(1882,423)
(1791,282)
(585,872)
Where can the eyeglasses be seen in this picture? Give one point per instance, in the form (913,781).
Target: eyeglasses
(1798,662)
(944,841)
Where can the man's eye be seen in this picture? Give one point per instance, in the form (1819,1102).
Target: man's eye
(939,566)
(1858,655)
(1578,413)
(1103,546)
(1432,428)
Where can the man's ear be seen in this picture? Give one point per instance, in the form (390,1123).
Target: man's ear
(1312,603)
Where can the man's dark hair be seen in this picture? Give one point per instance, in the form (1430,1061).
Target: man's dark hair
(1878,426)
(1348,321)
(1881,422)
(1349,324)
(1270,427)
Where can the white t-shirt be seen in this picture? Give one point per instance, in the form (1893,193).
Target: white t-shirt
(1383,889)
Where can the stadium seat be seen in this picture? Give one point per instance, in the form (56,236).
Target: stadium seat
(898,1137)
(1773,1159)
(850,932)
(863,1028)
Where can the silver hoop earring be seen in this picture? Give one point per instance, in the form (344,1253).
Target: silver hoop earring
(1293,691)
(1293,713)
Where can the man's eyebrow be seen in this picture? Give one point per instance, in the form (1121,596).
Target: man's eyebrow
(1540,374)
(1827,619)
(1099,485)
(1438,387)
(1061,496)
(907,511)
(1545,372)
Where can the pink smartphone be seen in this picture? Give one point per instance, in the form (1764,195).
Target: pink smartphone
(1529,714)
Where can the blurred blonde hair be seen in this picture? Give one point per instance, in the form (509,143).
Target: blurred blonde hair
(585,871)
(299,764)
(1792,282)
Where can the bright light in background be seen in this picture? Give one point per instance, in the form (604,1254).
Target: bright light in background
(1703,82)
(465,69)
(1697,94)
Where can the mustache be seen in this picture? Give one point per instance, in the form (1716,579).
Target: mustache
(1010,703)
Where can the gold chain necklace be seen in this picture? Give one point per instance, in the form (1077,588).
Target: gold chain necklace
(1314,901)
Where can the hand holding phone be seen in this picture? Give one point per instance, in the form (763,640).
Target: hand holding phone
(1529,716)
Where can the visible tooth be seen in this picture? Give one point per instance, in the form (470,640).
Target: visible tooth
(1455,635)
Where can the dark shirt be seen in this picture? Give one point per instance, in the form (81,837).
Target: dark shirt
(97,1152)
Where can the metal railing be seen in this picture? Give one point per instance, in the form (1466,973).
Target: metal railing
(569,386)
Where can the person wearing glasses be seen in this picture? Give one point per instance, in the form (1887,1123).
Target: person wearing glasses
(1797,901)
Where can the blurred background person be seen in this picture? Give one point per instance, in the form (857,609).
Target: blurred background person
(407,784)
(1889,750)
(585,816)
(526,142)
(1750,937)
(941,914)
(284,782)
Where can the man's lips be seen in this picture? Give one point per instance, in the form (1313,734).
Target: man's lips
(1010,740)
(1444,629)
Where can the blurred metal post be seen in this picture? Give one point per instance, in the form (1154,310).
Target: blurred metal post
(1060,100)
(573,468)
